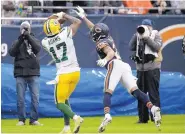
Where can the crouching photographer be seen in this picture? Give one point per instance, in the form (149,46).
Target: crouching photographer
(26,71)
(146,44)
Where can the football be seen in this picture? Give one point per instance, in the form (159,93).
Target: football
(62,21)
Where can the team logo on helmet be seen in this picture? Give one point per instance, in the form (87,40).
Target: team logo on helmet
(97,29)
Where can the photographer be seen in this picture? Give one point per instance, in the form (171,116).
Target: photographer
(146,44)
(27,72)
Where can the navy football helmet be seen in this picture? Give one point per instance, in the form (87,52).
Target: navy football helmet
(99,31)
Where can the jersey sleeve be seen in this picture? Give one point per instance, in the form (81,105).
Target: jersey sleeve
(44,45)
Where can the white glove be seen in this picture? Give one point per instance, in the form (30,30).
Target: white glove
(60,15)
(102,62)
(80,12)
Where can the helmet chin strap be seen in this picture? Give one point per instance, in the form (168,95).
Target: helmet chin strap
(101,37)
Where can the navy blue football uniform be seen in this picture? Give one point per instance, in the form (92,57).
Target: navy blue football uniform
(117,70)
(106,42)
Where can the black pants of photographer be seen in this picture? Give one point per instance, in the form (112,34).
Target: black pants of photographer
(148,82)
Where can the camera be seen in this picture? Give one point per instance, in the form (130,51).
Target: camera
(142,29)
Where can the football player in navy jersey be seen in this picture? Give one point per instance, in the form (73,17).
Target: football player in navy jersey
(117,70)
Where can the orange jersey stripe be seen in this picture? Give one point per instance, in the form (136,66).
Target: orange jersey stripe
(110,67)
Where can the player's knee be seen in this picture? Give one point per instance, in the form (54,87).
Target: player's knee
(62,98)
(133,89)
(108,91)
(61,101)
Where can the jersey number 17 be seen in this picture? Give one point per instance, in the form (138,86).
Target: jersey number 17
(58,47)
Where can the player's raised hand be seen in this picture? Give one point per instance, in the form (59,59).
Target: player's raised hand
(80,12)
(102,62)
(60,15)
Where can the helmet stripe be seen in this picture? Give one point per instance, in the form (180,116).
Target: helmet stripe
(48,27)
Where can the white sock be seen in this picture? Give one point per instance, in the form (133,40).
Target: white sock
(75,117)
(107,115)
(153,108)
(66,127)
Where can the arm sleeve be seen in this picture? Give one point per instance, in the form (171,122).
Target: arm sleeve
(155,44)
(35,43)
(14,49)
(133,43)
(44,46)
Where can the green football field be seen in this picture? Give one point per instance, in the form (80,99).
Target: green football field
(120,124)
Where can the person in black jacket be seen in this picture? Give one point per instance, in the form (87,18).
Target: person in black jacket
(27,72)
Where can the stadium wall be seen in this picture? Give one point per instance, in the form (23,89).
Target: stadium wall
(172,29)
(88,96)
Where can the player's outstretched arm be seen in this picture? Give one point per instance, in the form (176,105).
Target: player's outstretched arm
(109,52)
(81,13)
(58,16)
(61,16)
(75,22)
(89,24)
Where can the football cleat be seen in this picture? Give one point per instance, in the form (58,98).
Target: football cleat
(66,131)
(20,123)
(78,123)
(104,123)
(157,116)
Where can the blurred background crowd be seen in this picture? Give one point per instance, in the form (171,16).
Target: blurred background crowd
(41,8)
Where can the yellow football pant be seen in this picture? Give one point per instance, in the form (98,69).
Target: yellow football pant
(66,85)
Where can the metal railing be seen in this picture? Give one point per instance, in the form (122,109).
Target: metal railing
(97,8)
(72,8)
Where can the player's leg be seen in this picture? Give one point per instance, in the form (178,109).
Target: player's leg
(66,128)
(129,82)
(66,118)
(61,95)
(75,77)
(111,80)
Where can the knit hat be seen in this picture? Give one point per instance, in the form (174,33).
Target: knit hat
(147,22)
(25,25)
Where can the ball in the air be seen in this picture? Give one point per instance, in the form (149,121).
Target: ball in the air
(61,21)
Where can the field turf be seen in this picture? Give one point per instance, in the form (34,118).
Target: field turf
(120,124)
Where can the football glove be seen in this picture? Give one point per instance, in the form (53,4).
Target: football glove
(102,62)
(80,12)
(60,15)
